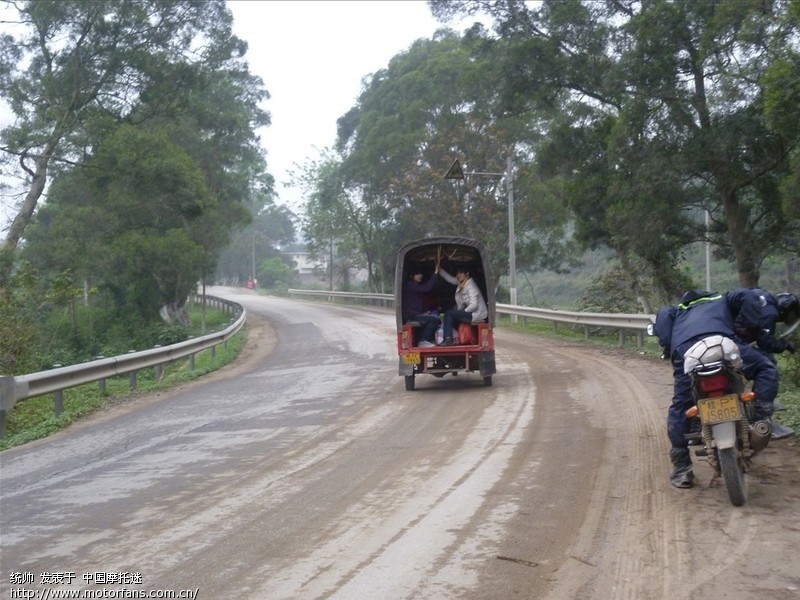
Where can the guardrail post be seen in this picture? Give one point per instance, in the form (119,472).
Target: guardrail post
(132,380)
(157,368)
(11,390)
(191,362)
(58,402)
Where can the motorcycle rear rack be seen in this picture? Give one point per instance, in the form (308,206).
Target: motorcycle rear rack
(709,369)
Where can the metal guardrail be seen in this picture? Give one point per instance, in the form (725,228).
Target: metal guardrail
(388,298)
(624,323)
(55,381)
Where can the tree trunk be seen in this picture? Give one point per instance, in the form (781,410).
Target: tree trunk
(740,238)
(20,222)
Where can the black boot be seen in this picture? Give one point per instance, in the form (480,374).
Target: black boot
(682,475)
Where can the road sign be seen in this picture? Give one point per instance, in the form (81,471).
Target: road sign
(455,171)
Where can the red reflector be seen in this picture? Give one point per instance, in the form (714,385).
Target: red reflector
(713,383)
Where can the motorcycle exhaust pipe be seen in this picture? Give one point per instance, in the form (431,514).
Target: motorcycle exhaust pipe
(760,432)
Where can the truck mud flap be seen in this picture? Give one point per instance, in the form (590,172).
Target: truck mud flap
(486,363)
(405,369)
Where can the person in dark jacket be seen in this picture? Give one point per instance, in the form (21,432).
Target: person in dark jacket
(414,308)
(780,308)
(701,314)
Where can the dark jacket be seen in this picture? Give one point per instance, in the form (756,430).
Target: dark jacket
(414,296)
(703,313)
(770,315)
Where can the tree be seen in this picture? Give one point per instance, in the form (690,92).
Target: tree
(81,64)
(432,104)
(136,212)
(333,224)
(676,109)
(270,229)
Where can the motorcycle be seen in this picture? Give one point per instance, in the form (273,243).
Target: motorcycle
(724,429)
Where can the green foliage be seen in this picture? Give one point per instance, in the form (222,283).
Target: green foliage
(271,228)
(78,66)
(274,273)
(610,292)
(148,132)
(150,140)
(384,185)
(663,109)
(17,331)
(789,394)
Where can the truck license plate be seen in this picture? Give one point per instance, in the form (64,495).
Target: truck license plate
(719,409)
(411,358)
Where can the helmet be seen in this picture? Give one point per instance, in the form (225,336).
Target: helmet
(788,308)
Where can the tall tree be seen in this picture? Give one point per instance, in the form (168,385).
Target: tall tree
(79,62)
(335,226)
(135,211)
(433,104)
(681,104)
(271,228)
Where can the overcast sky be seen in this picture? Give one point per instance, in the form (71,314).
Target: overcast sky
(312,57)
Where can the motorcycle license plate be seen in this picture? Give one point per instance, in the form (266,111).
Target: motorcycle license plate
(411,358)
(719,409)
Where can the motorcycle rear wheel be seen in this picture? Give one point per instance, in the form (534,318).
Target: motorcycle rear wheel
(732,468)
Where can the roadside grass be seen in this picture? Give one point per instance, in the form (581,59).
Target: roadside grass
(788,397)
(35,418)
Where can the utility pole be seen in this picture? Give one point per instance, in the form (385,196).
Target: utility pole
(708,252)
(456,172)
(512,238)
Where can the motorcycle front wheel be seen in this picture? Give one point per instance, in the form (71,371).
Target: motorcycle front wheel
(730,463)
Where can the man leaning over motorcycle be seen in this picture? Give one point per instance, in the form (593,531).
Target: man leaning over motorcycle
(780,308)
(700,314)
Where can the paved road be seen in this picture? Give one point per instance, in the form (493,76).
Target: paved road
(307,471)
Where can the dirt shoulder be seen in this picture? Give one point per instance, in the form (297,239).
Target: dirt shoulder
(656,541)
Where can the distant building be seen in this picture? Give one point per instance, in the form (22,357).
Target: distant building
(308,270)
(312,271)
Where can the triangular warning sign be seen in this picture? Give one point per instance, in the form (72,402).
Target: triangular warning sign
(455,171)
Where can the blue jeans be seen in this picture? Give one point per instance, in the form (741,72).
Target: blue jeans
(451,317)
(428,324)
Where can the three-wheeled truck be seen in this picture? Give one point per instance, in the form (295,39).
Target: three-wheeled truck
(477,352)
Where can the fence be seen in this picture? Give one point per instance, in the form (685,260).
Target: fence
(55,381)
(635,324)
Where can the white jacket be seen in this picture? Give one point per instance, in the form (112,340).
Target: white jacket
(468,298)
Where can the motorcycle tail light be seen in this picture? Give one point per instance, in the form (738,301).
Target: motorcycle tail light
(713,383)
(691,412)
(748,396)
